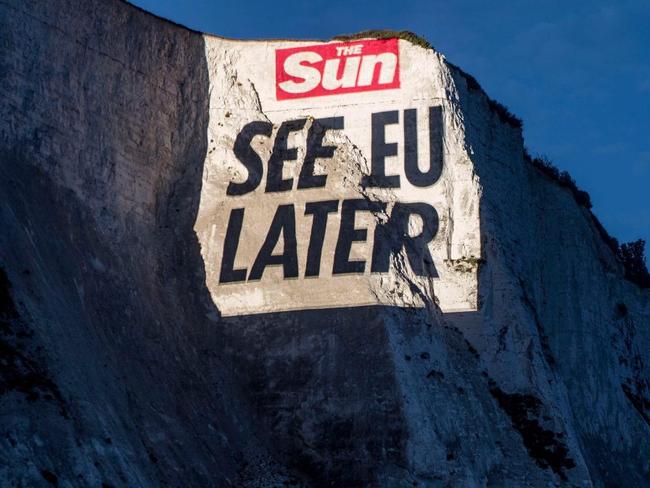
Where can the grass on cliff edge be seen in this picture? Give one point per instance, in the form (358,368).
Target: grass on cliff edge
(386,34)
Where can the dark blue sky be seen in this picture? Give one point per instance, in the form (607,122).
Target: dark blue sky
(577,73)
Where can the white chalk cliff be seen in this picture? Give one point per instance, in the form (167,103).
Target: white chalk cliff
(127,360)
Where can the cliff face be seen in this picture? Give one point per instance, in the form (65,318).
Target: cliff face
(183,303)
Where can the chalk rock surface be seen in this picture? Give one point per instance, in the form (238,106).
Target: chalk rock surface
(468,326)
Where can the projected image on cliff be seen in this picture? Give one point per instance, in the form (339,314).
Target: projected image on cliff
(333,183)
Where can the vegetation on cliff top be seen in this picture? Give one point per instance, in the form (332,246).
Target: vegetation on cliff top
(386,34)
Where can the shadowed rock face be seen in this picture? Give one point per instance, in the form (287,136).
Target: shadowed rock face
(104,114)
(117,368)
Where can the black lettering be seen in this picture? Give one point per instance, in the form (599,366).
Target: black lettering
(436,142)
(248,157)
(413,173)
(280,154)
(319,210)
(411,168)
(228,274)
(315,149)
(380,150)
(393,236)
(284,222)
(349,234)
